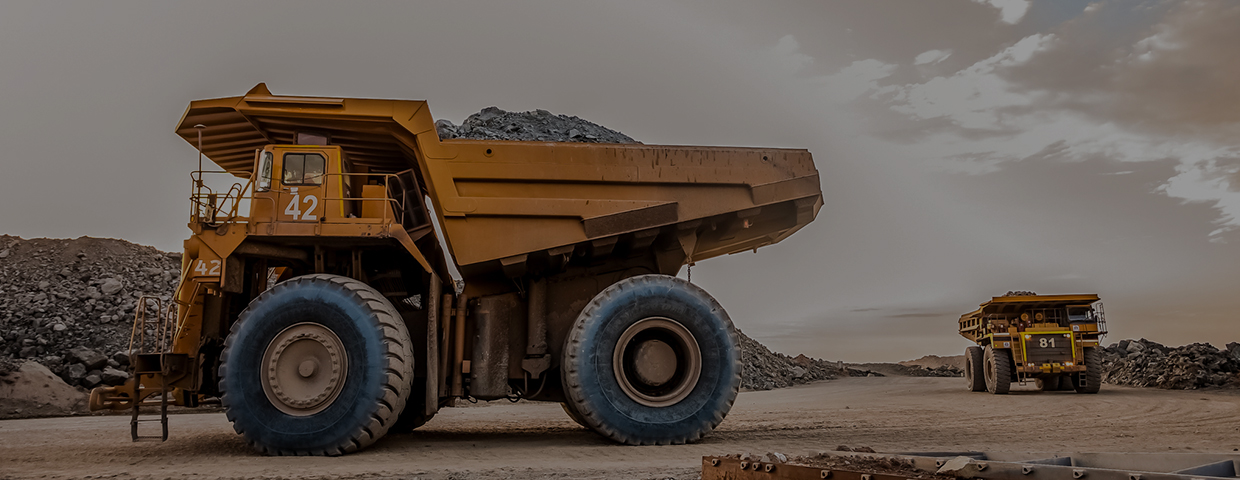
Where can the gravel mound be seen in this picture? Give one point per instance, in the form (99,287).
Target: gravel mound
(31,390)
(1142,363)
(763,369)
(69,304)
(935,361)
(536,126)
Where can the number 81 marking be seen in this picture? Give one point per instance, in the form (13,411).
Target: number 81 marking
(201,268)
(1045,342)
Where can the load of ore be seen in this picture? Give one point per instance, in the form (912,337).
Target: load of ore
(1142,363)
(69,304)
(536,126)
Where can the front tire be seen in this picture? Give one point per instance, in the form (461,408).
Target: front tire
(974,374)
(317,365)
(998,370)
(652,360)
(1092,377)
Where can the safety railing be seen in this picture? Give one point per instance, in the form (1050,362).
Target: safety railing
(214,208)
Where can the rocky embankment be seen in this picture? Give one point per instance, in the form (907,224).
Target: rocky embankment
(69,304)
(1142,363)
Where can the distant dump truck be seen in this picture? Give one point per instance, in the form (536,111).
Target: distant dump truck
(1052,339)
(316,303)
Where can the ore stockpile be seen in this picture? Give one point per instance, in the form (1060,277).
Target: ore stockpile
(1142,363)
(69,304)
(536,126)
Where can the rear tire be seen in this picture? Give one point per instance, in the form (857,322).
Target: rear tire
(974,375)
(317,365)
(1048,384)
(652,360)
(998,370)
(1093,373)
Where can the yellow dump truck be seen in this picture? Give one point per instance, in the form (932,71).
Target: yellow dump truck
(317,304)
(1052,339)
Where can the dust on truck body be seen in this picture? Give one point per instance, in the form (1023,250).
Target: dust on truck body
(1052,339)
(317,306)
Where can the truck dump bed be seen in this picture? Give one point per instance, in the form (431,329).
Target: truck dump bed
(498,201)
(972,324)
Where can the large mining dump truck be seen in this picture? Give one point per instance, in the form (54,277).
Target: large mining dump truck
(1052,339)
(317,304)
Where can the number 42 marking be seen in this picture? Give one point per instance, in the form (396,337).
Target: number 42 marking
(294,207)
(202,269)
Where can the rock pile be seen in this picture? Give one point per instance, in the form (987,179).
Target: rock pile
(1142,363)
(763,369)
(536,126)
(69,304)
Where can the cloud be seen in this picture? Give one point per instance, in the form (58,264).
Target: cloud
(931,57)
(972,98)
(1010,11)
(789,56)
(1161,87)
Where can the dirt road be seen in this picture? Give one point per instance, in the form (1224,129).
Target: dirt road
(503,440)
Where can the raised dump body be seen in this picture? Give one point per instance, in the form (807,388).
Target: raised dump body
(1052,339)
(317,304)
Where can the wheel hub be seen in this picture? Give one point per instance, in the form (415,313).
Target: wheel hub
(305,368)
(657,362)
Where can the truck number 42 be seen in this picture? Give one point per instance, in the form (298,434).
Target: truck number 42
(201,268)
(294,207)
(1046,342)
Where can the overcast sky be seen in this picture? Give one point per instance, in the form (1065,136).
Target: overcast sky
(966,147)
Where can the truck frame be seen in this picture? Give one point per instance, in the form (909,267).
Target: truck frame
(1052,339)
(317,302)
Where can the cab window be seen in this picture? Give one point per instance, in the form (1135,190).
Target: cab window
(303,169)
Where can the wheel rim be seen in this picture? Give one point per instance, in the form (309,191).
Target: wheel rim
(657,362)
(304,369)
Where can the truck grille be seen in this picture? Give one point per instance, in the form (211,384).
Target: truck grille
(1047,348)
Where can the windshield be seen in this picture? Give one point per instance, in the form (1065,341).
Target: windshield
(1079,315)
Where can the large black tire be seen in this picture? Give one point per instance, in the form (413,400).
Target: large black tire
(1048,384)
(369,372)
(1093,373)
(974,375)
(675,408)
(998,370)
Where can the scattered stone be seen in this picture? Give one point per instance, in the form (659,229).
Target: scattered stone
(111,286)
(92,380)
(90,358)
(75,373)
(112,376)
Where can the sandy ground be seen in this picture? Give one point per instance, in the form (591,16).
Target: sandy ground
(529,440)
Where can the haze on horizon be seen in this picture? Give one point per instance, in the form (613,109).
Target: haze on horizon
(966,147)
